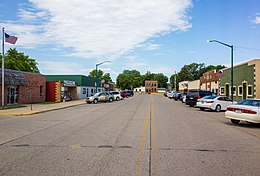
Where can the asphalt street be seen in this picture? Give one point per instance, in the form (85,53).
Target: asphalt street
(141,135)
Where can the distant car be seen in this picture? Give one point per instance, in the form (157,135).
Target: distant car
(177,96)
(110,96)
(216,103)
(246,110)
(117,95)
(130,93)
(171,94)
(123,94)
(99,97)
(193,96)
(183,97)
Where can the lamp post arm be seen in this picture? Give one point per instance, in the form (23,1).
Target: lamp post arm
(221,43)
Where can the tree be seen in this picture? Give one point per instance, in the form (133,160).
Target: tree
(191,72)
(107,77)
(101,75)
(18,61)
(162,80)
(129,79)
(93,74)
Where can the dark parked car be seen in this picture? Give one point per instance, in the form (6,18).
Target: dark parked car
(193,96)
(177,96)
(130,93)
(183,97)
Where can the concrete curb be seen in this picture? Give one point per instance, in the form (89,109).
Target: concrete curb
(43,111)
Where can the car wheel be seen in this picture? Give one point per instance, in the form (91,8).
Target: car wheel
(95,101)
(218,108)
(110,100)
(202,109)
(117,98)
(235,121)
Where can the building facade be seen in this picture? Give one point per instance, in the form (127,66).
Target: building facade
(210,81)
(194,85)
(23,87)
(74,86)
(246,81)
(183,86)
(151,86)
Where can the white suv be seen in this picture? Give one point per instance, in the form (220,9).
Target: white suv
(117,95)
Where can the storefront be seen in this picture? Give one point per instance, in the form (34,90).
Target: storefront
(72,86)
(23,87)
(246,81)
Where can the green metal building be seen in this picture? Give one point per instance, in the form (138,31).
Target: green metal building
(246,81)
(74,86)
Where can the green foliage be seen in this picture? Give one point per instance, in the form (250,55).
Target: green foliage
(129,79)
(101,75)
(192,72)
(93,74)
(18,61)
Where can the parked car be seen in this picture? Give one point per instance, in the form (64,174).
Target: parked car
(117,95)
(123,94)
(130,93)
(110,95)
(183,97)
(171,94)
(99,97)
(217,103)
(246,110)
(177,96)
(193,96)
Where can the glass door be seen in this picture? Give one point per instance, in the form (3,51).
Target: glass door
(12,95)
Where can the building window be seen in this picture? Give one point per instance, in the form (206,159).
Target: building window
(240,90)
(41,90)
(222,91)
(234,90)
(250,90)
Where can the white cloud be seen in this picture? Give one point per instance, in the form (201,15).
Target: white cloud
(51,67)
(100,28)
(152,46)
(133,63)
(256,20)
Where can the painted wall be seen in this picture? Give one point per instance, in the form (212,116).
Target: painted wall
(243,73)
(194,85)
(256,64)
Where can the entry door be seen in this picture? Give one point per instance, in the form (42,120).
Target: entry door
(12,95)
(227,90)
(244,91)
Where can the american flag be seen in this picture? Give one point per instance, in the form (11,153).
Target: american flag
(10,39)
(220,74)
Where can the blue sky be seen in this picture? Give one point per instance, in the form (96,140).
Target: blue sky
(68,37)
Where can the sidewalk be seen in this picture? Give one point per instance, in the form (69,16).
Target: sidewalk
(40,108)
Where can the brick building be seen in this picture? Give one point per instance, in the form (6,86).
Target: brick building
(23,87)
(210,81)
(151,86)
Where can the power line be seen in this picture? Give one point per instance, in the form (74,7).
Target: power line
(257,49)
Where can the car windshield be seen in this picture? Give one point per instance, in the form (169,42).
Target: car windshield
(96,94)
(250,103)
(210,97)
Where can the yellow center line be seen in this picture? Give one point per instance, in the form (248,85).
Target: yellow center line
(142,147)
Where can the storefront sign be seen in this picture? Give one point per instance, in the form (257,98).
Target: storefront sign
(68,83)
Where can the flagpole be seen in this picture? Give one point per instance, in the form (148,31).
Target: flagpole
(3,72)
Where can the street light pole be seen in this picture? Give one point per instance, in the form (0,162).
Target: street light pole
(232,66)
(96,81)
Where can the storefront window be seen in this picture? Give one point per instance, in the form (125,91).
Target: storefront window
(249,90)
(240,90)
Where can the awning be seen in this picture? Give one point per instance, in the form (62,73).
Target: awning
(14,78)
